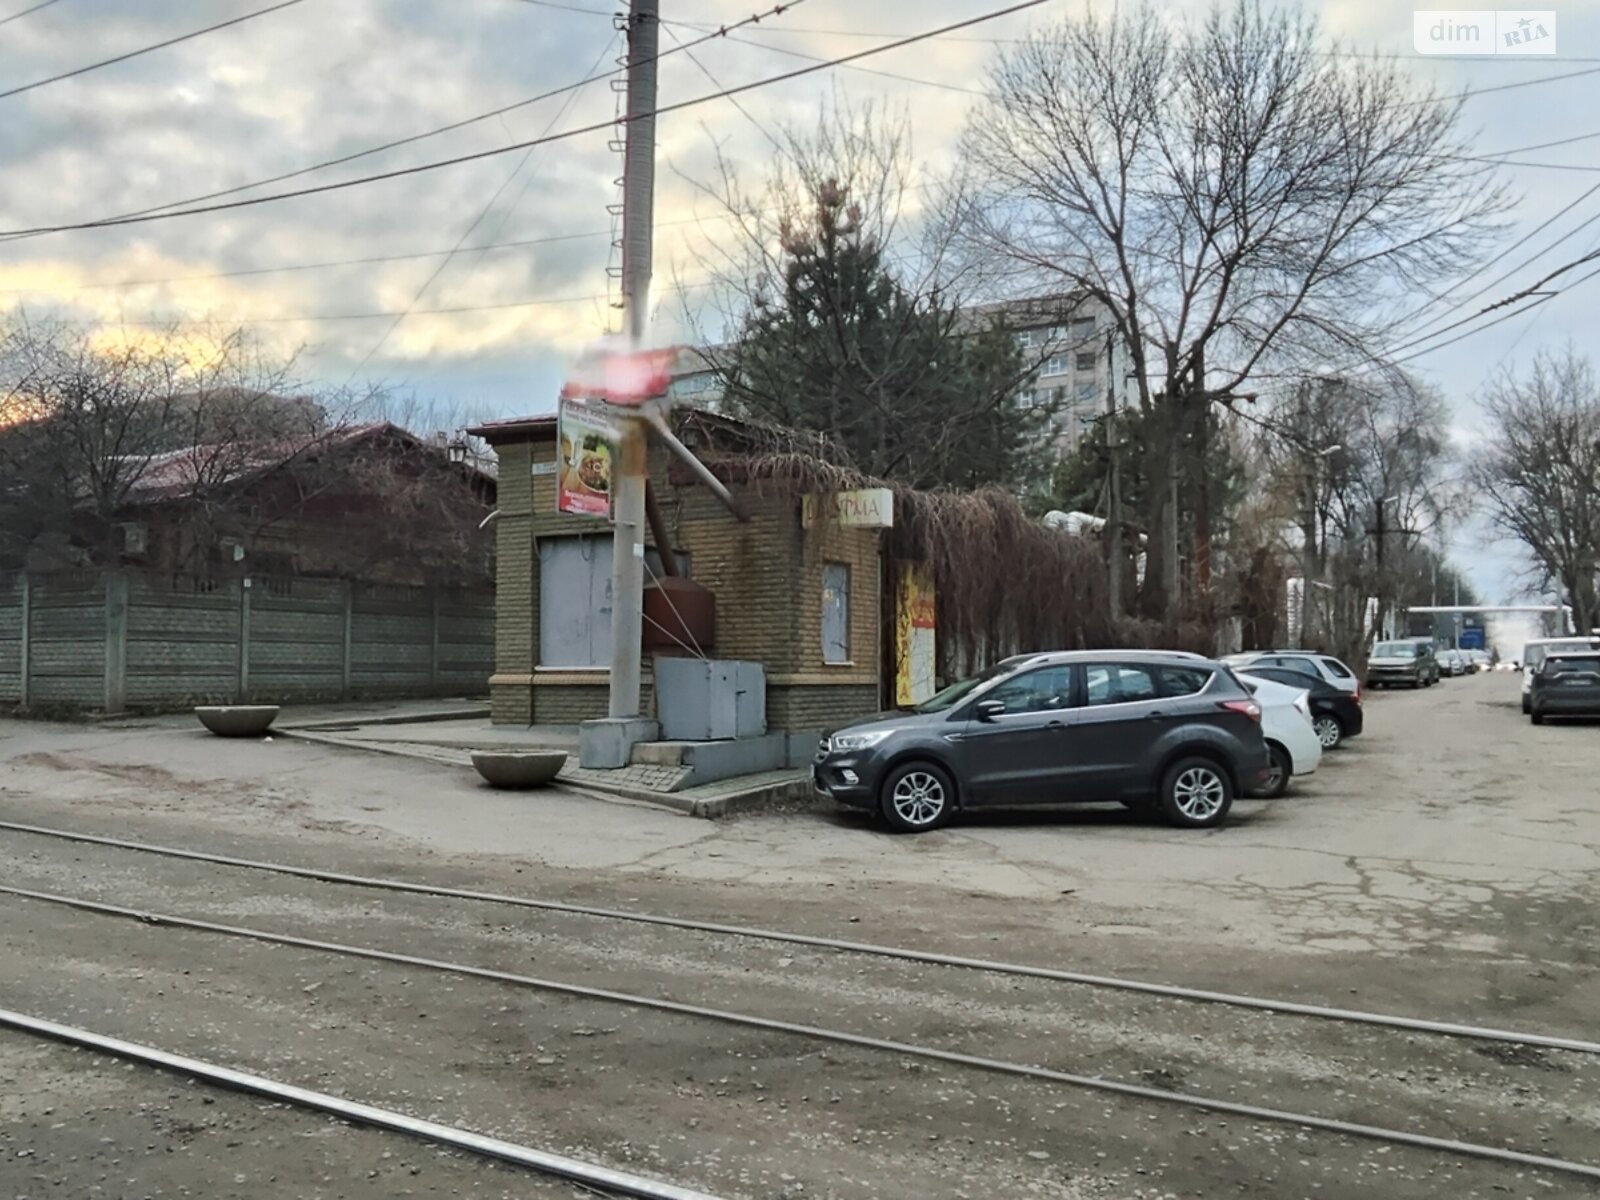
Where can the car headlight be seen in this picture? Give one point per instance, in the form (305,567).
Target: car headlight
(845,742)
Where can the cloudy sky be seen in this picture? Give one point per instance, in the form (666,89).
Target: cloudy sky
(326,78)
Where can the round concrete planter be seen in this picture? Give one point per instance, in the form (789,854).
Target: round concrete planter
(519,768)
(237,720)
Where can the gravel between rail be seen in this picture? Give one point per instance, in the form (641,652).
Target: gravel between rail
(1448,929)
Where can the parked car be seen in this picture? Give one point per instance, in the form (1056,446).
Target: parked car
(1479,659)
(1292,743)
(1308,662)
(1335,714)
(1408,663)
(1533,656)
(1453,662)
(1172,733)
(1567,684)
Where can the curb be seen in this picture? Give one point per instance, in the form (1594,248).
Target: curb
(765,797)
(426,718)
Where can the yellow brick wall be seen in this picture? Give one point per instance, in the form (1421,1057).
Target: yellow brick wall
(766,574)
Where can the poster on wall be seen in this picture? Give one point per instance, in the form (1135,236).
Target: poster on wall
(914,635)
(586,448)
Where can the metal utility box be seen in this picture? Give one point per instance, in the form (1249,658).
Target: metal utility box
(701,700)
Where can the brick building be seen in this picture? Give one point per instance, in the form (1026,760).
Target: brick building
(802,599)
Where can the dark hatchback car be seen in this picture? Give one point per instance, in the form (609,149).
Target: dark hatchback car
(1168,732)
(1567,684)
(1335,713)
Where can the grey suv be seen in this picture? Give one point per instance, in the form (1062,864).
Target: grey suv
(1162,731)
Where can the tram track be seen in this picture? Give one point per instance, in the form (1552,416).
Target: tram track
(1424,1025)
(901,1049)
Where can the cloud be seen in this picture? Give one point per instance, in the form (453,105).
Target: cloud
(320,80)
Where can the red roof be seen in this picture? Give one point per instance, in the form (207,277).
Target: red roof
(177,474)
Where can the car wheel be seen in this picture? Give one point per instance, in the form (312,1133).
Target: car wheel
(1526,706)
(1196,793)
(1328,730)
(1282,770)
(1536,717)
(917,797)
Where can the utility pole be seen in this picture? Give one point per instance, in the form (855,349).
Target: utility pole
(1114,556)
(1202,497)
(638,202)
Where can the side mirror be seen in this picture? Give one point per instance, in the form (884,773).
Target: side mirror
(988,710)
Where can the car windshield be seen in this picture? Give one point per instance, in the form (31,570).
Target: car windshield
(1394,650)
(957,692)
(1534,655)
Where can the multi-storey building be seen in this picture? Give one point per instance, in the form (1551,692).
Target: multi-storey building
(1067,347)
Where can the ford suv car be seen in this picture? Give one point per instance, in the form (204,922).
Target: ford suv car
(1169,732)
(1567,684)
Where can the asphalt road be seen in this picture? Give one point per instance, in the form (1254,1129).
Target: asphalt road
(1444,865)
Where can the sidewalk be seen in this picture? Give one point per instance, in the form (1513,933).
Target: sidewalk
(448,732)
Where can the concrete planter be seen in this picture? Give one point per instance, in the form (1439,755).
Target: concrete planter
(519,768)
(238,720)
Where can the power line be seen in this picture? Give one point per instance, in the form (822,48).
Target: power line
(14,16)
(313,266)
(382,314)
(421,168)
(1582,137)
(1532,291)
(470,229)
(1501,278)
(934,83)
(184,37)
(1539,60)
(717,83)
(593,12)
(405,141)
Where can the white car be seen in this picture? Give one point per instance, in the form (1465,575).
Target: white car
(1292,741)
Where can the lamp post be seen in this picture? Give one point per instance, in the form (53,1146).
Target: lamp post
(1310,569)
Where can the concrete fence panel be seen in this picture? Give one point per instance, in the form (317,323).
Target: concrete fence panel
(106,641)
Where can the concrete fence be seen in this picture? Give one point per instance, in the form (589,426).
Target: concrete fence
(112,641)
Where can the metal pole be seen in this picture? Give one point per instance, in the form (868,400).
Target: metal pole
(1114,489)
(1309,553)
(638,196)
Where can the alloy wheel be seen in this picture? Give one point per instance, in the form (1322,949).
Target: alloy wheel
(918,798)
(1199,793)
(1328,732)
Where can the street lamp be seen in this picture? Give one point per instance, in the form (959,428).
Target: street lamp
(458,450)
(1310,549)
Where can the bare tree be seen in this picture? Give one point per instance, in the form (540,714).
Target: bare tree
(86,416)
(1240,200)
(845,319)
(1335,451)
(1539,471)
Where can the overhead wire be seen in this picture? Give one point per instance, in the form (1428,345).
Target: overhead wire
(18,15)
(476,221)
(717,83)
(933,83)
(1457,305)
(451,127)
(439,164)
(172,41)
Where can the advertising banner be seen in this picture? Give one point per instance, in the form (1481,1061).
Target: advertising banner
(914,635)
(586,450)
